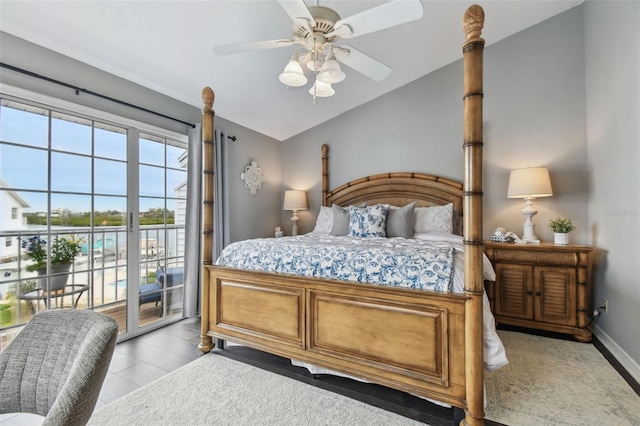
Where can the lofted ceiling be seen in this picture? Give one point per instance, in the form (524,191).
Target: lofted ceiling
(167,46)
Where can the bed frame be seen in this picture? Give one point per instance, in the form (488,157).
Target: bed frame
(424,343)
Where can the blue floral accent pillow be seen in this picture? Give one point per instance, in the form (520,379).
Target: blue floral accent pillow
(368,221)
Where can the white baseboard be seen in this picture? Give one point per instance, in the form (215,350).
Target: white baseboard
(618,353)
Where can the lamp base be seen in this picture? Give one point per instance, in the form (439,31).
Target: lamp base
(294,219)
(529,227)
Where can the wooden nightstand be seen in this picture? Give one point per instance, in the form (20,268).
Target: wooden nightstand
(545,286)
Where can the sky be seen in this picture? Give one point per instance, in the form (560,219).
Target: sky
(24,162)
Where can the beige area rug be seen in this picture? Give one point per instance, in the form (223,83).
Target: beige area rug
(557,382)
(547,382)
(214,390)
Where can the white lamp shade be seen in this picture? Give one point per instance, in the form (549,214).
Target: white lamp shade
(293,75)
(321,90)
(330,72)
(530,182)
(295,200)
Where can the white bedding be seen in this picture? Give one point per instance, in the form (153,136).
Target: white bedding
(398,262)
(494,353)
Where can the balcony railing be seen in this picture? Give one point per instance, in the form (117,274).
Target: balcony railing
(102,267)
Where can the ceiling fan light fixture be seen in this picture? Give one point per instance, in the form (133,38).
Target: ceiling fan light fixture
(314,64)
(293,75)
(330,72)
(321,90)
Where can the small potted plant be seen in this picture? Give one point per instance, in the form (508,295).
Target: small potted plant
(63,253)
(561,226)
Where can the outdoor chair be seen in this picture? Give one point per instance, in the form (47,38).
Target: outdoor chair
(56,365)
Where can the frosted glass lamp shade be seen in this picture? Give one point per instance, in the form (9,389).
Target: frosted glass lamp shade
(531,182)
(313,64)
(321,90)
(293,75)
(330,72)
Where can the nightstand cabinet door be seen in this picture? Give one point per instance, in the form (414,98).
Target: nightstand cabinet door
(543,286)
(514,291)
(555,295)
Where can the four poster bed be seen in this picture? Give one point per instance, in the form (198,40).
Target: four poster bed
(426,343)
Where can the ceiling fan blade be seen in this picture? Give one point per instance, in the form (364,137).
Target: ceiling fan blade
(297,9)
(361,62)
(386,15)
(229,49)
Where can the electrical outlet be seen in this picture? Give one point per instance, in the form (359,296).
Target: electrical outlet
(605,303)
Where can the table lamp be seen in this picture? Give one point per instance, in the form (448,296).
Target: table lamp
(529,183)
(295,201)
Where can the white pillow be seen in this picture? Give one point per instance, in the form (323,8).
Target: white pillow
(435,218)
(324,222)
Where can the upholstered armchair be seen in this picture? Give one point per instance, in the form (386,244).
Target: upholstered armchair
(56,366)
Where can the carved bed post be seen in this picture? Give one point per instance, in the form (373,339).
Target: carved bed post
(473,277)
(206,342)
(325,173)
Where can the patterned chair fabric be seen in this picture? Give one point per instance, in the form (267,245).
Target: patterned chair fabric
(56,366)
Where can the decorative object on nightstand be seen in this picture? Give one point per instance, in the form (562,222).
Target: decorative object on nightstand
(561,227)
(529,183)
(542,286)
(295,201)
(252,177)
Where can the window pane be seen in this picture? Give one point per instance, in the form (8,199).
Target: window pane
(151,211)
(110,142)
(23,124)
(110,211)
(151,181)
(110,177)
(175,210)
(70,210)
(70,173)
(69,133)
(151,151)
(176,183)
(23,167)
(176,155)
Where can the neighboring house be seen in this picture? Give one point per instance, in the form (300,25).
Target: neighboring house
(12,207)
(180,192)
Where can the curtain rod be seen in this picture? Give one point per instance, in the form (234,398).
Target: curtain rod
(89,92)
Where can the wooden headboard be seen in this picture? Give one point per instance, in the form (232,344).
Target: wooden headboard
(397,189)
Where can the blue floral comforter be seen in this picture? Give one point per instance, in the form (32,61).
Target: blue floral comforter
(386,261)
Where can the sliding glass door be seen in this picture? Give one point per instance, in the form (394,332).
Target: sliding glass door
(162,195)
(115,190)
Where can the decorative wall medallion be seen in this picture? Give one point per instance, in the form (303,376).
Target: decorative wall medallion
(252,177)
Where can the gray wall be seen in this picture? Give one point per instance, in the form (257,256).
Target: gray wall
(251,216)
(613,142)
(534,115)
(537,93)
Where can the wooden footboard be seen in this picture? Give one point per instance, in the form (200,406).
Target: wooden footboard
(405,339)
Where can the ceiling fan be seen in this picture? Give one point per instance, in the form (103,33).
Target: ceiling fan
(316,29)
